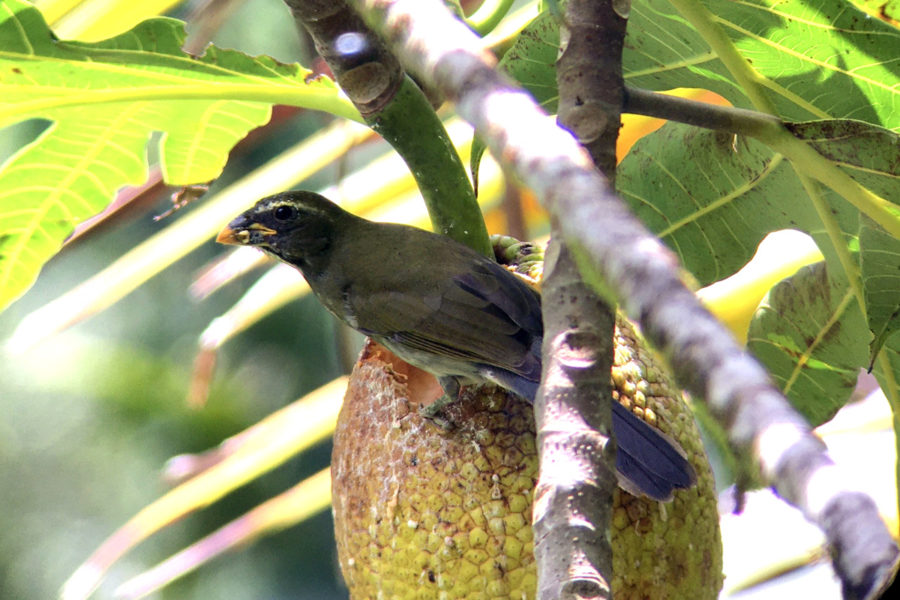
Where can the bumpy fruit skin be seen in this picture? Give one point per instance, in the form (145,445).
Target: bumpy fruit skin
(425,512)
(671,550)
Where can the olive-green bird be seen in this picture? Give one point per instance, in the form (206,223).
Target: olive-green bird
(440,306)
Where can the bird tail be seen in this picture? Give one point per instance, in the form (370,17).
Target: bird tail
(648,461)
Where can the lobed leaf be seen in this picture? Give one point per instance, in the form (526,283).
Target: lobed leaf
(104,100)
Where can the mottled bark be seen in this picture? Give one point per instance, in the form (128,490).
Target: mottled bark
(572,514)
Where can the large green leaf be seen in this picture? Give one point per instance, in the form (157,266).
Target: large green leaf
(807,334)
(871,156)
(880,270)
(104,101)
(818,59)
(713,196)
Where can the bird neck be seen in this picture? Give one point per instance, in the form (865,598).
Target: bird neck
(326,257)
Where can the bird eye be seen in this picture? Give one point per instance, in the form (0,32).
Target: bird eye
(285,213)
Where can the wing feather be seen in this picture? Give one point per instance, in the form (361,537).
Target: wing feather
(486,316)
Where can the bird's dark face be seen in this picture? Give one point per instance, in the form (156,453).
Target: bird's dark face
(296,227)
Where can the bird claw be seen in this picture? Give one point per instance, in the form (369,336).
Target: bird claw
(434,412)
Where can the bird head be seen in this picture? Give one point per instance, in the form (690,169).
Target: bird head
(296,227)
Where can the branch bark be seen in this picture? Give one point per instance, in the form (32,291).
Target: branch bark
(572,411)
(392,104)
(589,77)
(574,493)
(618,255)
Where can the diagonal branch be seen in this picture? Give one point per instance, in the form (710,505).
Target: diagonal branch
(617,254)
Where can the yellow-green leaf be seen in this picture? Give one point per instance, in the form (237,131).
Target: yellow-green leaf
(104,100)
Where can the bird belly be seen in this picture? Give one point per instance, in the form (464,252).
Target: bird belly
(464,371)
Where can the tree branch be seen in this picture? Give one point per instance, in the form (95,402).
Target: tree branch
(572,412)
(700,114)
(617,254)
(393,105)
(589,75)
(574,494)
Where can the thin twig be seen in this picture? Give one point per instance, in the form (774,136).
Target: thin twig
(700,114)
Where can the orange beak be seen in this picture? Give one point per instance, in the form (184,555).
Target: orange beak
(229,236)
(241,236)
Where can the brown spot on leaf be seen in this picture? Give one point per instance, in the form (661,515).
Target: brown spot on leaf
(833,332)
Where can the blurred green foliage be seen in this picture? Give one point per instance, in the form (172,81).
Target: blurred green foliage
(90,417)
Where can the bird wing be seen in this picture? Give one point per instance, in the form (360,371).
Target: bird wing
(485,315)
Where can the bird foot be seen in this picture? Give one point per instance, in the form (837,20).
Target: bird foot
(434,412)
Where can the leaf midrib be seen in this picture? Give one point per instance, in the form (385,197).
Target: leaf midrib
(737,192)
(271,94)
